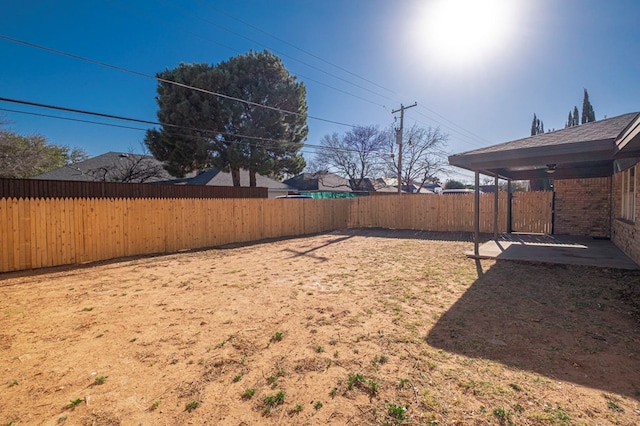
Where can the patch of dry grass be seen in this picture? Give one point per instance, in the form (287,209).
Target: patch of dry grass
(360,327)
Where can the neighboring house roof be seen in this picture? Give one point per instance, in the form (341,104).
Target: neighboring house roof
(433,187)
(320,181)
(112,164)
(393,189)
(106,166)
(414,189)
(424,190)
(587,150)
(215,177)
(488,189)
(390,185)
(371,185)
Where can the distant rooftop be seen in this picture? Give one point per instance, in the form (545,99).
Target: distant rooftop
(102,167)
(319,181)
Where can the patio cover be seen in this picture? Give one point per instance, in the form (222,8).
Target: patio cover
(583,151)
(586,151)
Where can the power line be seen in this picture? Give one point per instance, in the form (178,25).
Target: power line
(237,34)
(72,119)
(252,140)
(209,40)
(338,67)
(79,111)
(316,148)
(159,79)
(140,74)
(468,139)
(446,127)
(454,124)
(293,45)
(135,120)
(305,145)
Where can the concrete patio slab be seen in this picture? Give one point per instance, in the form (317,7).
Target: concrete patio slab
(558,249)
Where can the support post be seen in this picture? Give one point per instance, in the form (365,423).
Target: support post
(509,202)
(476,216)
(495,209)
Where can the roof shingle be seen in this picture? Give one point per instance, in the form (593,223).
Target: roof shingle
(608,128)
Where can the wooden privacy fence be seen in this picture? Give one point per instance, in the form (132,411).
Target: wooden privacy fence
(47,232)
(39,232)
(447,213)
(39,188)
(532,212)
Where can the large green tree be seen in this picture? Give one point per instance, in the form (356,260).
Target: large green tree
(189,118)
(201,129)
(27,156)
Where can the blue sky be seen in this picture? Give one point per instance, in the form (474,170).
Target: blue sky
(480,78)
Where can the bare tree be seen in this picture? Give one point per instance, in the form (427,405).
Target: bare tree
(131,168)
(354,155)
(422,155)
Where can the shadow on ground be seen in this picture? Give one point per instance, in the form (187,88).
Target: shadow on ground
(345,233)
(569,323)
(298,253)
(408,234)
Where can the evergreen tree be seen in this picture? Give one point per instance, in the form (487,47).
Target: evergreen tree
(537,126)
(576,117)
(588,114)
(453,184)
(573,119)
(200,129)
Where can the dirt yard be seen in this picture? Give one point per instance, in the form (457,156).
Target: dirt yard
(360,327)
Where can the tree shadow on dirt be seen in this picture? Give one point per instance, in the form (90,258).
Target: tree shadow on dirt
(309,253)
(569,323)
(408,234)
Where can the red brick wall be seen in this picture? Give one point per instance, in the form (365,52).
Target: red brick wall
(583,207)
(626,235)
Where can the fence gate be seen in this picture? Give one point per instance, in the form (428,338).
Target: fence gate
(532,212)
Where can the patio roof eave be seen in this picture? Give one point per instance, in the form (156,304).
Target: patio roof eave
(628,142)
(575,160)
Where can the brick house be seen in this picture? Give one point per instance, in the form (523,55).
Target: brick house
(594,168)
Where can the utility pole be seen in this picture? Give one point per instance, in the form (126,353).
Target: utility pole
(399,142)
